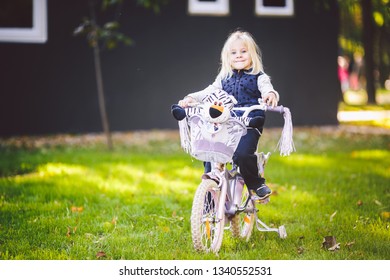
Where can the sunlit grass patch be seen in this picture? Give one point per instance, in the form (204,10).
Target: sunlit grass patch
(371,154)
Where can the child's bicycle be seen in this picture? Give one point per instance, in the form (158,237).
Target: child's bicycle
(221,198)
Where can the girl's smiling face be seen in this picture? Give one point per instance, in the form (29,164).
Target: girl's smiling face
(239,56)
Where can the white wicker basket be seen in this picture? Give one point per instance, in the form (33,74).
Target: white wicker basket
(214,142)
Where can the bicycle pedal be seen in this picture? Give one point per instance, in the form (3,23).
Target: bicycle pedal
(264,201)
(259,200)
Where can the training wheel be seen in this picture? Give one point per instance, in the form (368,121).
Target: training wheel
(282,232)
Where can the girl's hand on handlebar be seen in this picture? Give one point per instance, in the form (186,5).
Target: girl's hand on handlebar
(270,99)
(186,101)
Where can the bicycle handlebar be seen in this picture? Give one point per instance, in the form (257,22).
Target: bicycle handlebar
(277,109)
(262,106)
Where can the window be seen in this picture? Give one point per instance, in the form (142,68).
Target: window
(274,7)
(211,7)
(25,21)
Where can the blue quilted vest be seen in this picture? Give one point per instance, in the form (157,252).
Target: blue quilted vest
(244,88)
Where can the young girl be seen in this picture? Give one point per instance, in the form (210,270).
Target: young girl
(242,76)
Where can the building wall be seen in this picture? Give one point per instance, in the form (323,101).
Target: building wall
(50,88)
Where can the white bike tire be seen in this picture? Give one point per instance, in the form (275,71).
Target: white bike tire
(206,229)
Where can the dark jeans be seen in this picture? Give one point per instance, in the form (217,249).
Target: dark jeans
(246,159)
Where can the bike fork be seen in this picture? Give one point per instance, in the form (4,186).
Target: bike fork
(222,200)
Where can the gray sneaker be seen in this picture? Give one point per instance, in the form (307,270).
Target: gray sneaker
(263,192)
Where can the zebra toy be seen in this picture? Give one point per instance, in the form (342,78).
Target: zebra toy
(216,108)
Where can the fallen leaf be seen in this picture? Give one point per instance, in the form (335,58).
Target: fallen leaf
(335,247)
(330,243)
(71,231)
(300,250)
(349,244)
(377,202)
(100,254)
(68,232)
(332,216)
(76,209)
(114,220)
(359,203)
(385,215)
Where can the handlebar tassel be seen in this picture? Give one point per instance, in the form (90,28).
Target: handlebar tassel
(286,143)
(185,137)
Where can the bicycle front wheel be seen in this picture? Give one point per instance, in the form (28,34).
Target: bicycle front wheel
(206,228)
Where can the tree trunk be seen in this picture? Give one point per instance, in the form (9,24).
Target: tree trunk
(102,102)
(99,78)
(368,32)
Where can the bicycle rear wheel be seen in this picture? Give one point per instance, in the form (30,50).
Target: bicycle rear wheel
(206,228)
(242,223)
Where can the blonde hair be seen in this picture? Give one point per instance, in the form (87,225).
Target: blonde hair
(226,70)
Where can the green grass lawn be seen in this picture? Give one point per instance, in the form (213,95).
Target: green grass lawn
(63,199)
